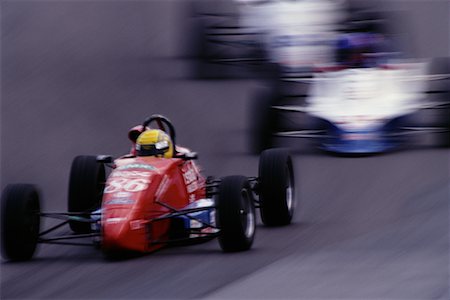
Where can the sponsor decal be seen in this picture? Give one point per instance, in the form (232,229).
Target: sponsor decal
(129,174)
(190,179)
(122,194)
(117,185)
(115,220)
(136,166)
(189,176)
(120,201)
(192,187)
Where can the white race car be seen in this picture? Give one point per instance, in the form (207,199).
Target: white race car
(359,110)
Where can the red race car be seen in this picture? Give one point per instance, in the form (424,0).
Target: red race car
(153,197)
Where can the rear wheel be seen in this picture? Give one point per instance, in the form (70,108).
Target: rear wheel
(20,221)
(235,214)
(441,65)
(86,184)
(264,122)
(276,187)
(439,92)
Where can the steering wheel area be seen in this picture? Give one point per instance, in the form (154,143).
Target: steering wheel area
(161,123)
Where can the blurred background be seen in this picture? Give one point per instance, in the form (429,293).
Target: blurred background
(76,75)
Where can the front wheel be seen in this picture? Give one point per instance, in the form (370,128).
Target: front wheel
(20,221)
(276,187)
(235,214)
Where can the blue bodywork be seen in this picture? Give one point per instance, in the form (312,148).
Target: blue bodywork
(385,138)
(199,223)
(190,221)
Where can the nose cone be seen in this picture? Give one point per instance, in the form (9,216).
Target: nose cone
(123,229)
(115,226)
(128,202)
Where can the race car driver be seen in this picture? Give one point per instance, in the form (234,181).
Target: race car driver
(154,142)
(364,44)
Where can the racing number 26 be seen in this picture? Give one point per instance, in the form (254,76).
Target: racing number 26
(126,185)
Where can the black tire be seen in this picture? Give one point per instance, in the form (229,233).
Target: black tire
(208,49)
(86,184)
(264,122)
(436,117)
(276,187)
(441,65)
(235,214)
(20,221)
(200,49)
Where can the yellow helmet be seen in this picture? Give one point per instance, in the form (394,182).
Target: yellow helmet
(154,142)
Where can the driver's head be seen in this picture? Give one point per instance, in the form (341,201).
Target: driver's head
(154,142)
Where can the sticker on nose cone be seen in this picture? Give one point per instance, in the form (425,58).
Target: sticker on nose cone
(115,185)
(136,166)
(115,220)
(120,201)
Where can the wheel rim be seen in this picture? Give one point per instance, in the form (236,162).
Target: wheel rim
(289,192)
(247,215)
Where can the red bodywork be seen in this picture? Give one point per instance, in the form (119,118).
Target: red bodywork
(141,189)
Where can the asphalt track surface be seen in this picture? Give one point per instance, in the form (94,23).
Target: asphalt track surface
(77,74)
